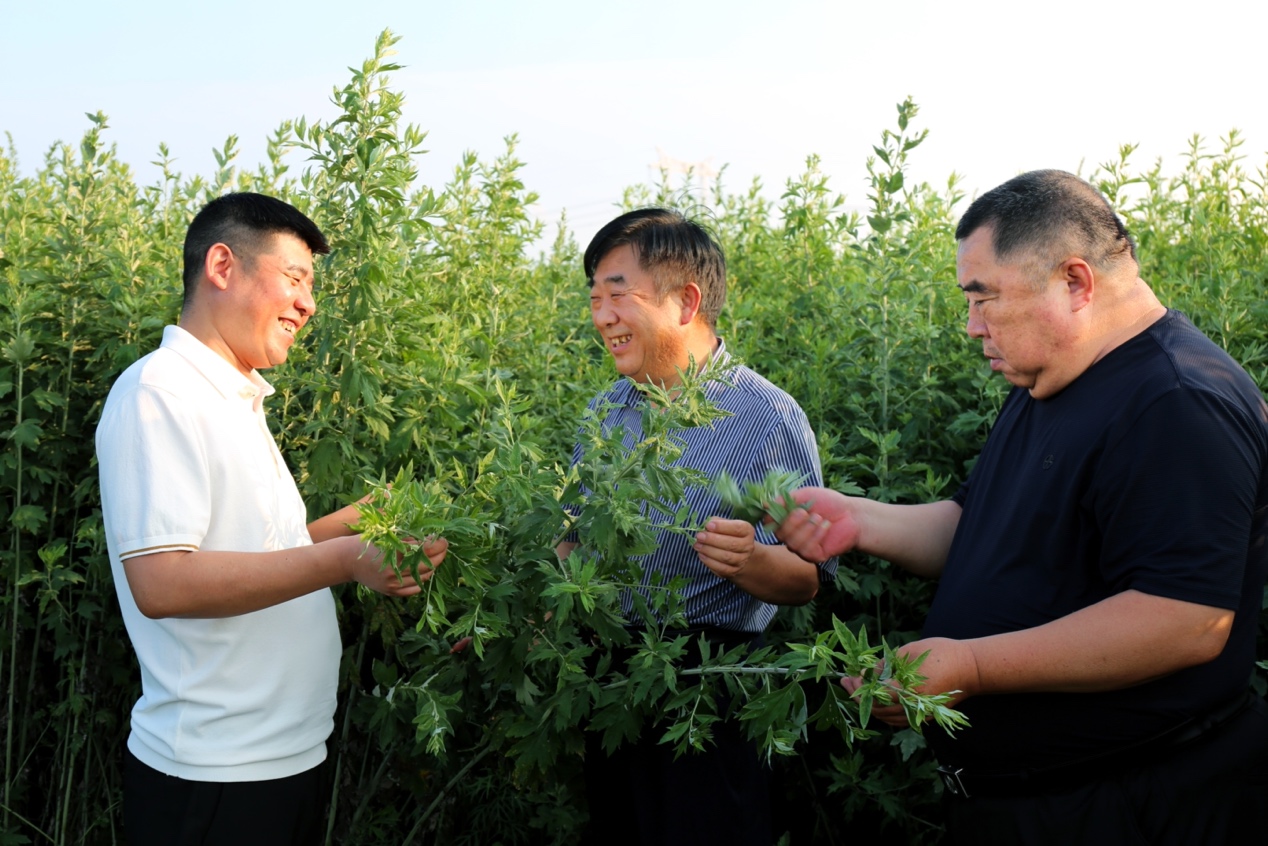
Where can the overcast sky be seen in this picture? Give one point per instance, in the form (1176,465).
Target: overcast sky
(594,90)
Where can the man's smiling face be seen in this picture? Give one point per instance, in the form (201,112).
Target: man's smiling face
(643,332)
(272,299)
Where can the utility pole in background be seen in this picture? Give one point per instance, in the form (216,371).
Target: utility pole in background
(702,171)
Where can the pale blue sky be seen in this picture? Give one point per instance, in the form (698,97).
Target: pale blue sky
(594,89)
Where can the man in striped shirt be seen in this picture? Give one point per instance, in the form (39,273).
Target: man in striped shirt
(657,284)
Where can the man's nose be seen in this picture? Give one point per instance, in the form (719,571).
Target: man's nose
(305,302)
(975,326)
(602,313)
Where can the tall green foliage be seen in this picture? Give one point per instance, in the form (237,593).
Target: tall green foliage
(448,360)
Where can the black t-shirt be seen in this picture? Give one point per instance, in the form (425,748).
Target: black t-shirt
(1148,472)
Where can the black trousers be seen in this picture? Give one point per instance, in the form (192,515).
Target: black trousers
(642,795)
(1212,791)
(162,810)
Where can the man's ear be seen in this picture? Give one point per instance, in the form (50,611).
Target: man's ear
(219,264)
(689,298)
(1080,282)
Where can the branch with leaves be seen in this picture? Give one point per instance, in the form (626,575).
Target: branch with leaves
(548,641)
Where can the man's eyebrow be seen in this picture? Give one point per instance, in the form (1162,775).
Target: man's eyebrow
(975,287)
(611,279)
(296,266)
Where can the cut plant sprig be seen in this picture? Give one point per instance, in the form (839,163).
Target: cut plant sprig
(403,516)
(771,496)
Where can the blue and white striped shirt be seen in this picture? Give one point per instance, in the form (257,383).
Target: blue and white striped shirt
(766,429)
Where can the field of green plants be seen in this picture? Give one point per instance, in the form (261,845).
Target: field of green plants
(454,360)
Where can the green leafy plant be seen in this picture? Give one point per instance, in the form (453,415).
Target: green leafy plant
(771,495)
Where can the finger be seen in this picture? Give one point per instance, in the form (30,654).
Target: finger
(460,645)
(803,534)
(803,495)
(407,572)
(436,549)
(404,580)
(725,557)
(730,528)
(718,567)
(879,707)
(399,587)
(725,543)
(795,524)
(812,547)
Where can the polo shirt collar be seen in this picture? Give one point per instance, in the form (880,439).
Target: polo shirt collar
(222,375)
(626,392)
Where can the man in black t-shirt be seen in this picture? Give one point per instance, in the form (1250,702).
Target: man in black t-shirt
(1102,569)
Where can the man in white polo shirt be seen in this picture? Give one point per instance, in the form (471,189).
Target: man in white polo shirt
(223,584)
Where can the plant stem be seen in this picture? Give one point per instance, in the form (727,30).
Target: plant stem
(28,823)
(409,838)
(68,775)
(368,791)
(343,735)
(15,596)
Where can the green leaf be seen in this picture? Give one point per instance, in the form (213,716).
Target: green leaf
(25,435)
(20,349)
(908,743)
(28,518)
(880,225)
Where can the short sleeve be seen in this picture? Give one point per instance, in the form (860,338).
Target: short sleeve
(1177,501)
(154,472)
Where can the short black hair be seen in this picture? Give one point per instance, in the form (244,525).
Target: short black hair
(242,221)
(673,248)
(1045,216)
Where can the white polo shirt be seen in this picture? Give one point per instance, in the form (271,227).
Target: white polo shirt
(187,463)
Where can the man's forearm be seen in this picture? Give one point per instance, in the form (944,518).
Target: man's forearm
(915,537)
(226,584)
(1128,639)
(1125,640)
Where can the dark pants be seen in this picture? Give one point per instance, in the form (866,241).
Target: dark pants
(642,795)
(162,810)
(1212,791)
